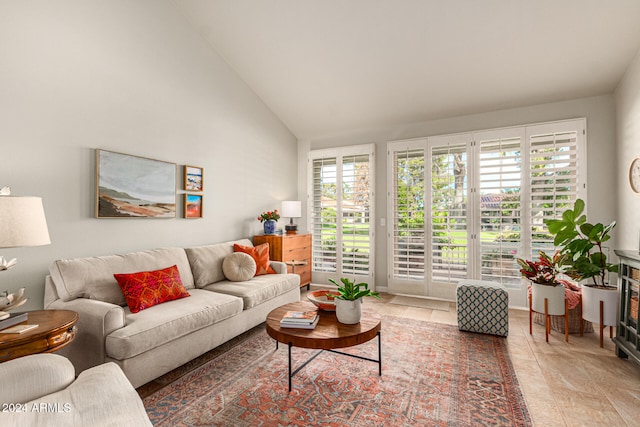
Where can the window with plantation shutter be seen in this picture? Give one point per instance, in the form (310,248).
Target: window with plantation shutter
(356,210)
(323,215)
(500,204)
(449,239)
(554,179)
(408,214)
(467,205)
(341,213)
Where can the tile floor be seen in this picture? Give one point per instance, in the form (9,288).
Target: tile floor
(565,384)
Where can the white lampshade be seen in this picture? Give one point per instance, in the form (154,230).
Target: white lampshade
(22,222)
(291,209)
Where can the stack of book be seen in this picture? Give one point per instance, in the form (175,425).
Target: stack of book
(13,319)
(300,319)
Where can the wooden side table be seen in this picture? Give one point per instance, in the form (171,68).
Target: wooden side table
(56,329)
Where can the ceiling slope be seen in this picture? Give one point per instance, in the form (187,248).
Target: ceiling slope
(327,66)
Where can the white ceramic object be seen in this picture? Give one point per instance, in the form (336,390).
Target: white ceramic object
(11,301)
(7,264)
(348,312)
(591,298)
(322,301)
(554,296)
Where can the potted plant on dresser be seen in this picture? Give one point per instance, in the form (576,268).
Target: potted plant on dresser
(349,302)
(586,260)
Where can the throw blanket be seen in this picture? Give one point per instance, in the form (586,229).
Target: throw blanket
(572,293)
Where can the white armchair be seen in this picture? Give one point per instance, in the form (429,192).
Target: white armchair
(41,390)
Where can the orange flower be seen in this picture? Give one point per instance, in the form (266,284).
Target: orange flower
(269,215)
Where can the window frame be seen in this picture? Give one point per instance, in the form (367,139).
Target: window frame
(340,153)
(525,133)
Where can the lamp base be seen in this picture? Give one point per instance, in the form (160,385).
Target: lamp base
(291,228)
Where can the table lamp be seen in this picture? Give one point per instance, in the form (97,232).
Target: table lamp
(22,223)
(291,209)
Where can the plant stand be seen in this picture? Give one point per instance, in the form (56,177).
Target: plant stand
(549,300)
(600,305)
(602,325)
(576,322)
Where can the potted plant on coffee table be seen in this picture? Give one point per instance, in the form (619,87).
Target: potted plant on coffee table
(586,261)
(349,302)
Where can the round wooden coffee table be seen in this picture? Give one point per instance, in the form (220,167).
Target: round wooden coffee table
(56,329)
(328,335)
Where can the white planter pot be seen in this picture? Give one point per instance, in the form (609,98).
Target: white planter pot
(554,296)
(591,298)
(348,312)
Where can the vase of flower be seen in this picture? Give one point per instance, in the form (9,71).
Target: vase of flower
(269,219)
(269,226)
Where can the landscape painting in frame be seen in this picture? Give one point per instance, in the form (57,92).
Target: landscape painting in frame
(134,187)
(192,206)
(193,178)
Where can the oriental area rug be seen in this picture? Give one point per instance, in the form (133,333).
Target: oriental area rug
(432,375)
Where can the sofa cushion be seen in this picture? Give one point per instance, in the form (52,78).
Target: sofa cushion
(163,323)
(260,254)
(34,376)
(239,267)
(206,261)
(93,277)
(101,396)
(259,289)
(148,288)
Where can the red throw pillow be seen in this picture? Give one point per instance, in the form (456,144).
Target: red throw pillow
(148,288)
(260,254)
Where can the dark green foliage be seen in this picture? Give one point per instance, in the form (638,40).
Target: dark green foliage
(351,291)
(582,242)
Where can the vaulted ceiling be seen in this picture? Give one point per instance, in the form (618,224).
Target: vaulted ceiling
(325,66)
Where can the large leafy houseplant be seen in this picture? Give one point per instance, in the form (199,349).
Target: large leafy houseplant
(350,291)
(581,243)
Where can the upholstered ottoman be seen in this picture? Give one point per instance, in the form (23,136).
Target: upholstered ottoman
(482,306)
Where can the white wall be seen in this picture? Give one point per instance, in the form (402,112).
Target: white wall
(601,161)
(628,129)
(132,77)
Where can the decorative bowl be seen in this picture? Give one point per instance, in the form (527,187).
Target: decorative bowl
(323,299)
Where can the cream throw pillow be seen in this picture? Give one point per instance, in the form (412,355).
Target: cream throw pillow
(239,267)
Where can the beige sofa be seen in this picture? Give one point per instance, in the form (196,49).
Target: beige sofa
(158,339)
(42,390)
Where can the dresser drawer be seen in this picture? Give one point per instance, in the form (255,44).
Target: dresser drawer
(297,255)
(296,247)
(304,271)
(296,242)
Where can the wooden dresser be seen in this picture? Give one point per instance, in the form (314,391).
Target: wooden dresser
(290,248)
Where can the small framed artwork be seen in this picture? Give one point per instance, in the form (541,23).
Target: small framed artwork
(193,178)
(193,206)
(134,187)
